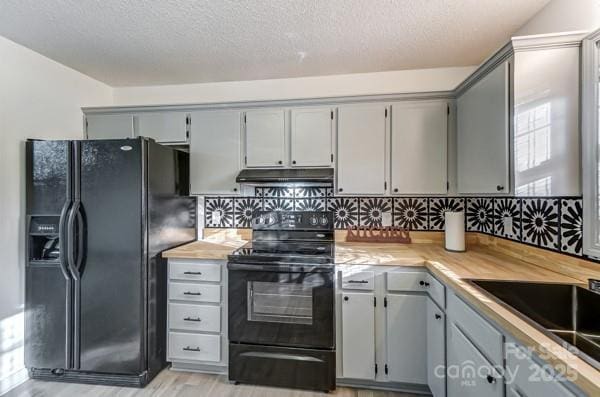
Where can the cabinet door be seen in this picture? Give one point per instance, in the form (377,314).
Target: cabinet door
(214,152)
(530,379)
(419,139)
(483,134)
(164,127)
(312,137)
(361,157)
(436,349)
(406,323)
(358,336)
(469,374)
(109,126)
(265,138)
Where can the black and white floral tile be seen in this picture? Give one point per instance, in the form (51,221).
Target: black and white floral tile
(553,223)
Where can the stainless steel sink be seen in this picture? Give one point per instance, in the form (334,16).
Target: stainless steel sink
(567,313)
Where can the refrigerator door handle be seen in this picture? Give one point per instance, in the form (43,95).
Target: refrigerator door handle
(80,241)
(62,238)
(71,239)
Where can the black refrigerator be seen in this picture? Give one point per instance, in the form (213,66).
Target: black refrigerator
(99,214)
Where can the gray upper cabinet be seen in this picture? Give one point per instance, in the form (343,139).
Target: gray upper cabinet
(362,149)
(312,137)
(265,138)
(164,127)
(547,142)
(419,140)
(109,126)
(483,135)
(215,147)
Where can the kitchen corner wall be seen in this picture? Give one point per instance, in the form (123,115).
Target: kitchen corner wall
(39,98)
(553,223)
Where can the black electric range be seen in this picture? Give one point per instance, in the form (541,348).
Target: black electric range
(281,302)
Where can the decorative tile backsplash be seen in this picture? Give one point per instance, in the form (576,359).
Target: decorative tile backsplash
(554,223)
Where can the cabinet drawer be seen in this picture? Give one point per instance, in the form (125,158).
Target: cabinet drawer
(476,328)
(182,270)
(531,379)
(195,317)
(358,280)
(417,281)
(195,292)
(407,280)
(194,347)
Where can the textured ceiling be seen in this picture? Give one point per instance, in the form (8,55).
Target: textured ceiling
(148,42)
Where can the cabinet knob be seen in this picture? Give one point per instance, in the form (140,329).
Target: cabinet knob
(293,162)
(491,379)
(280,162)
(346,298)
(499,188)
(235,189)
(424,283)
(340,190)
(438,316)
(395,190)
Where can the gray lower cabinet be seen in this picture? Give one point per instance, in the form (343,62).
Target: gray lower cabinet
(436,349)
(392,329)
(469,373)
(197,315)
(358,335)
(528,378)
(484,361)
(406,342)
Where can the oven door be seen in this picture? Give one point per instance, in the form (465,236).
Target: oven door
(283,305)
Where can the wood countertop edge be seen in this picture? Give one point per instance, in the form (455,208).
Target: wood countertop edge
(588,378)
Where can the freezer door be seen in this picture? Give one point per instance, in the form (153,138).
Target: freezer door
(48,284)
(47,176)
(112,270)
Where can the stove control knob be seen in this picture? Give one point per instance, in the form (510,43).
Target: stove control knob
(270,220)
(313,220)
(324,220)
(260,220)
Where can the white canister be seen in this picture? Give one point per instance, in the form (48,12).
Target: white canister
(455,231)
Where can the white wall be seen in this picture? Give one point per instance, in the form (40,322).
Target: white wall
(39,98)
(563,16)
(403,81)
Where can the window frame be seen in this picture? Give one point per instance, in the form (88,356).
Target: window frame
(590,143)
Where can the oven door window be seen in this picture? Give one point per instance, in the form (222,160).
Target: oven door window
(280,302)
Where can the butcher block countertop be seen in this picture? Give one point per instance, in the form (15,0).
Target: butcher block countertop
(485,258)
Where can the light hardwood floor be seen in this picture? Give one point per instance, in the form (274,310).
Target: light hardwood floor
(181,384)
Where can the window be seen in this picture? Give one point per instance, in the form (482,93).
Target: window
(591,144)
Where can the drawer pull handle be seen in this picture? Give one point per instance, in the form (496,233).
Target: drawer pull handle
(357,281)
(192,293)
(193,273)
(424,283)
(196,319)
(491,379)
(191,349)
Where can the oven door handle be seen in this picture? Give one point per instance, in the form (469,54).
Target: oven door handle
(281,356)
(282,268)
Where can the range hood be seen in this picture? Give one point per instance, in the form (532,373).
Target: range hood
(286,176)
